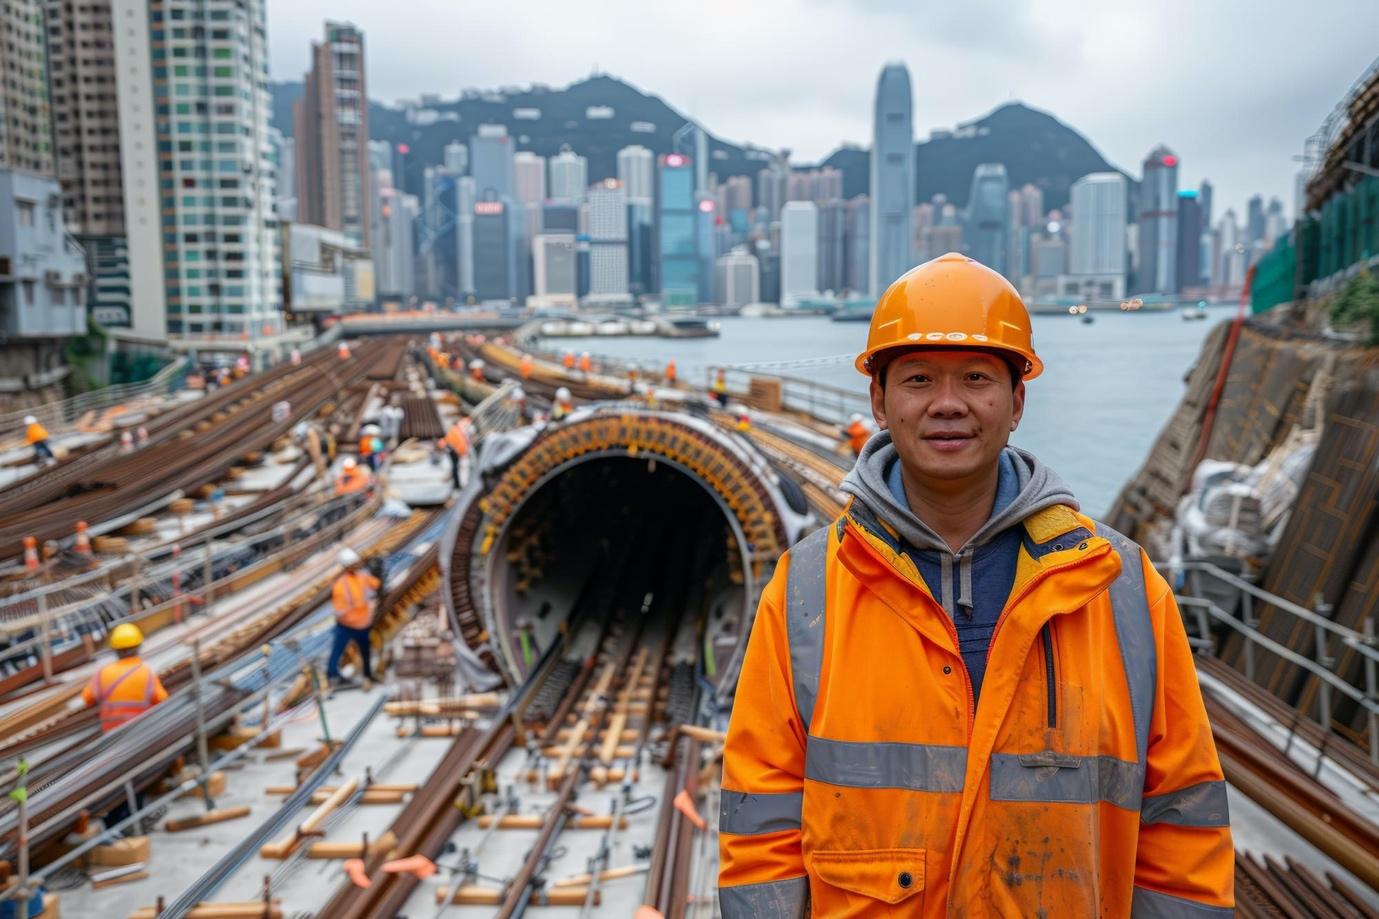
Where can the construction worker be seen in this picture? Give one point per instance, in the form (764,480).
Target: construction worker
(568,361)
(127,687)
(720,387)
(342,350)
(564,404)
(670,372)
(963,697)
(36,436)
(353,596)
(586,363)
(456,443)
(857,433)
(371,446)
(476,370)
(519,401)
(525,366)
(352,477)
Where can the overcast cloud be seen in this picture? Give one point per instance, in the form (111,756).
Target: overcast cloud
(1233,86)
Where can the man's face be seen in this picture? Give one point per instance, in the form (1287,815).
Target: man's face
(950,412)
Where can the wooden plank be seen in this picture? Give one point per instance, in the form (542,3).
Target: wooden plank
(216,816)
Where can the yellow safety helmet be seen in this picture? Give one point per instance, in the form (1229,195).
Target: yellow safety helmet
(126,635)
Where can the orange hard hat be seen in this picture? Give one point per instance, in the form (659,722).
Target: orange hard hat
(952,302)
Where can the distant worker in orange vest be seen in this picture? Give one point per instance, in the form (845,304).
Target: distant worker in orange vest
(564,404)
(670,373)
(857,434)
(343,350)
(352,478)
(476,370)
(371,446)
(353,596)
(36,436)
(586,363)
(720,387)
(525,367)
(127,687)
(456,443)
(568,360)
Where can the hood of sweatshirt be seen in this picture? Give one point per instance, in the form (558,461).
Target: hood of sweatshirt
(1035,488)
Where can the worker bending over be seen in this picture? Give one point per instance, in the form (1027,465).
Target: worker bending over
(352,477)
(353,595)
(963,697)
(456,443)
(36,436)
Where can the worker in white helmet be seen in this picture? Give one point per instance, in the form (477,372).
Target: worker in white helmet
(856,433)
(353,596)
(564,404)
(36,436)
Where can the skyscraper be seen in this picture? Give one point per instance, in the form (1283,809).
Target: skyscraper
(331,135)
(987,217)
(857,258)
(1207,246)
(553,269)
(892,177)
(1189,254)
(26,140)
(495,252)
(221,266)
(529,176)
(491,164)
(772,186)
(393,217)
(1157,272)
(799,252)
(678,255)
(1097,262)
(569,176)
(637,173)
(739,278)
(438,247)
(832,247)
(1254,221)
(456,158)
(607,241)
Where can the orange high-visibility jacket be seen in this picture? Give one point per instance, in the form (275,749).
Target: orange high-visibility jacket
(123,689)
(352,596)
(456,440)
(35,433)
(350,481)
(858,434)
(859,781)
(525,366)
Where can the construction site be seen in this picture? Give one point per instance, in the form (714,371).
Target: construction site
(534,719)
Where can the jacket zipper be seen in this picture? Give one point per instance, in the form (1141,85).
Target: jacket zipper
(1049,674)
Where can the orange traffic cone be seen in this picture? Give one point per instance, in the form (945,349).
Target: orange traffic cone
(30,554)
(685,805)
(354,868)
(83,542)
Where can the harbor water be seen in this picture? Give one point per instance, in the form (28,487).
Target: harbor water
(1107,389)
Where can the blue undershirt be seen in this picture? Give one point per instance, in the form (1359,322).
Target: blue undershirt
(993,574)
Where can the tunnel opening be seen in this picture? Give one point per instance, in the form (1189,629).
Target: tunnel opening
(619,514)
(614,537)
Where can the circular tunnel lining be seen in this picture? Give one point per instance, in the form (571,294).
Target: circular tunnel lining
(619,511)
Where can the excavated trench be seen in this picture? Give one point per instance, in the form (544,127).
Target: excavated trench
(616,513)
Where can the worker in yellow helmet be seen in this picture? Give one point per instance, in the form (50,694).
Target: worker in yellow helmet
(964,697)
(126,687)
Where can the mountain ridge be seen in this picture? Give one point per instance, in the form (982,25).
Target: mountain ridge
(1034,145)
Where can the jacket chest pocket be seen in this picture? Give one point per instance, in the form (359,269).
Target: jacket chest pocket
(861,880)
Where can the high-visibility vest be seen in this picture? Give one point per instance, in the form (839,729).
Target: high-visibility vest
(123,690)
(350,481)
(456,440)
(352,596)
(35,433)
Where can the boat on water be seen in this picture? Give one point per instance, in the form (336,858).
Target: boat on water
(1192,313)
(691,327)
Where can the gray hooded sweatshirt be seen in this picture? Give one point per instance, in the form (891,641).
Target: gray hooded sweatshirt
(973,583)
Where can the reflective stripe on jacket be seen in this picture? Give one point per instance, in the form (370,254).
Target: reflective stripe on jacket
(124,690)
(858,780)
(352,596)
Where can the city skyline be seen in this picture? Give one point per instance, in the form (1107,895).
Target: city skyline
(1262,98)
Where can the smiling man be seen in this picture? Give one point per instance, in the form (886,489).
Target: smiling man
(963,697)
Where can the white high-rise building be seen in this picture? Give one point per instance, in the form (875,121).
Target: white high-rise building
(457,158)
(739,278)
(220,268)
(569,176)
(1098,203)
(554,270)
(637,172)
(529,171)
(607,240)
(393,216)
(799,251)
(892,178)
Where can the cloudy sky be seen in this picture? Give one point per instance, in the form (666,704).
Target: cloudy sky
(1233,86)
